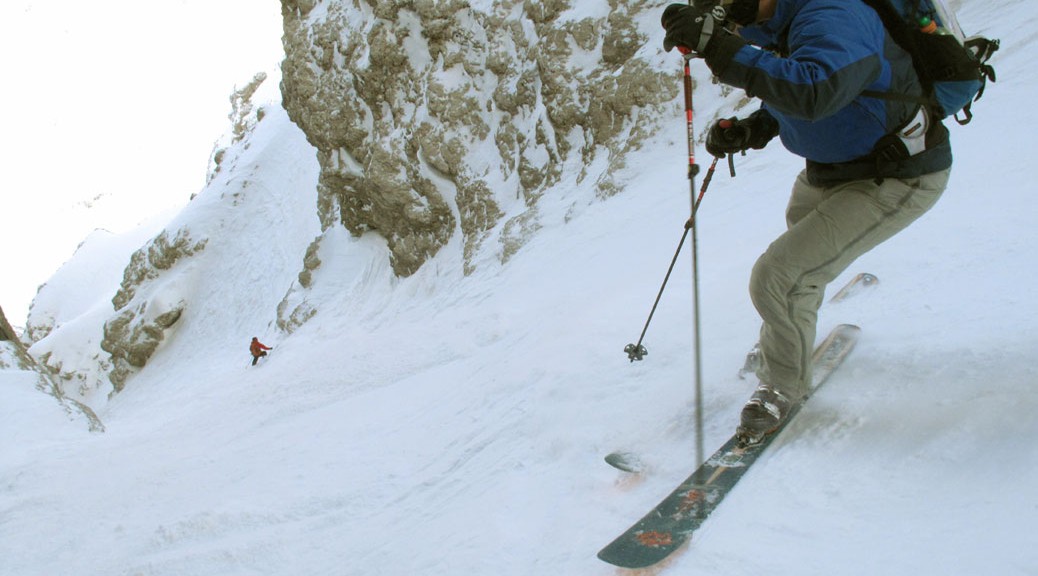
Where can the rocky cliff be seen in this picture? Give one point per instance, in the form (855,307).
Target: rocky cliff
(438,127)
(436,119)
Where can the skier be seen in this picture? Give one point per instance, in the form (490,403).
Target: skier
(873,165)
(258,350)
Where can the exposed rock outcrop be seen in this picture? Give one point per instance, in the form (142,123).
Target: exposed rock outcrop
(438,117)
(147,263)
(133,335)
(7,332)
(294,310)
(145,316)
(244,116)
(12,351)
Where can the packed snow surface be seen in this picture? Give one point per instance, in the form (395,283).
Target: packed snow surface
(446,425)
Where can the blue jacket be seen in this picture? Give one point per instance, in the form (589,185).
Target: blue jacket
(826,53)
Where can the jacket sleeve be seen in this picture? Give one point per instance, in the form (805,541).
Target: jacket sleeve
(835,53)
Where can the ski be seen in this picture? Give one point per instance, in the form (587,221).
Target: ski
(671,523)
(854,286)
(625,461)
(630,462)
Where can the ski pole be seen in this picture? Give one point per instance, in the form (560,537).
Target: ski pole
(638,351)
(693,169)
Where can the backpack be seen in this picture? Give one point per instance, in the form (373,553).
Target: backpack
(953,69)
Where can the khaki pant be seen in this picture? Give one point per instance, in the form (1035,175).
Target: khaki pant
(828,228)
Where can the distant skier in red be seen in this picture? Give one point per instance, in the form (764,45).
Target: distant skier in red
(258,350)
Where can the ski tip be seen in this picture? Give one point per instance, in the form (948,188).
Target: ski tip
(652,550)
(625,461)
(869,279)
(848,329)
(854,286)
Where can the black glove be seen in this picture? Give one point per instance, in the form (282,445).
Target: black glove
(743,12)
(690,28)
(733,135)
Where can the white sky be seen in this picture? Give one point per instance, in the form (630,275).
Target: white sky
(113,104)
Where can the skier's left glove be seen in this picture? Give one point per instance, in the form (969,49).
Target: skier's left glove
(733,135)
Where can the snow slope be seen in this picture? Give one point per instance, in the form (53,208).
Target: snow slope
(445,425)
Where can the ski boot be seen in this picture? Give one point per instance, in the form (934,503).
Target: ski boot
(762,414)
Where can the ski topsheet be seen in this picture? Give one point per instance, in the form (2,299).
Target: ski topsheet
(670,524)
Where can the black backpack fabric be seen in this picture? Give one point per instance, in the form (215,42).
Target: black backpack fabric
(953,69)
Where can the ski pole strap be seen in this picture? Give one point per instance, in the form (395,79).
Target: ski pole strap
(706,33)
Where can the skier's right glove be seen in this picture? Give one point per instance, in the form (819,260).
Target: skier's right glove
(733,135)
(689,28)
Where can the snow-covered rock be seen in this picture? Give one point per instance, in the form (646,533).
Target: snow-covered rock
(436,119)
